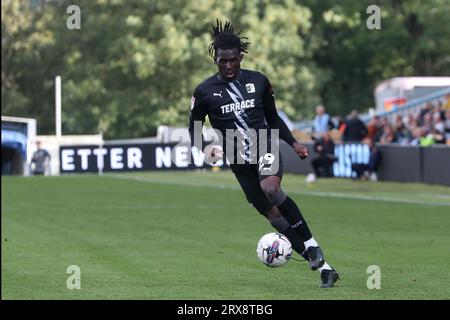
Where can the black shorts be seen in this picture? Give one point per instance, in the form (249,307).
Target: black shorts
(249,177)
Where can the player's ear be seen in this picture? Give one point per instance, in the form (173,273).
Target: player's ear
(241,56)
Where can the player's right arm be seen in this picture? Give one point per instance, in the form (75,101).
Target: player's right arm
(197,118)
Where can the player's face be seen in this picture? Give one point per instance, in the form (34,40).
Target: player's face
(229,63)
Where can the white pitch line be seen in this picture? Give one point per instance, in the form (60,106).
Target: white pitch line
(308,193)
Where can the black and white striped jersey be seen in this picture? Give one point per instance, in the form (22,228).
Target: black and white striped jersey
(244,105)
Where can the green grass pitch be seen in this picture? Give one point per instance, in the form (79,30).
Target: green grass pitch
(192,235)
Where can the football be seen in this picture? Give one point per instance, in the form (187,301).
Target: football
(274,249)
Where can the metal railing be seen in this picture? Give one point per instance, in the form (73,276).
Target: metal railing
(409,107)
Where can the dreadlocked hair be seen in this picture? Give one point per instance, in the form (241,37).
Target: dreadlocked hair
(225,38)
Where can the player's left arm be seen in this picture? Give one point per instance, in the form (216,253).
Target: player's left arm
(275,122)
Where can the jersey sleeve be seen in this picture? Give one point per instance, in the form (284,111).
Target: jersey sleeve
(271,114)
(197,118)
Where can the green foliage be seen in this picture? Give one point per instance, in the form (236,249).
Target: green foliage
(133,65)
(412,41)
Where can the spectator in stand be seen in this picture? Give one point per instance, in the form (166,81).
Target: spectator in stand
(447,126)
(369,170)
(389,135)
(341,125)
(401,131)
(411,123)
(322,122)
(438,109)
(374,129)
(446,104)
(438,129)
(421,138)
(416,135)
(427,110)
(323,163)
(355,129)
(427,122)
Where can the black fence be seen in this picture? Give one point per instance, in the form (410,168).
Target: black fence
(399,163)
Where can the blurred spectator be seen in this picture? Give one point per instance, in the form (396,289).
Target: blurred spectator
(323,163)
(427,140)
(389,135)
(416,135)
(427,122)
(355,129)
(437,136)
(369,170)
(402,132)
(411,123)
(447,126)
(341,125)
(438,129)
(322,121)
(439,111)
(446,104)
(422,138)
(433,119)
(374,129)
(40,160)
(438,122)
(425,111)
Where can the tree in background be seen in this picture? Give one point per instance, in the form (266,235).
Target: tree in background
(29,62)
(133,64)
(412,41)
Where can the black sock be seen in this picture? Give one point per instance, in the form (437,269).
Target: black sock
(292,214)
(296,241)
(282,226)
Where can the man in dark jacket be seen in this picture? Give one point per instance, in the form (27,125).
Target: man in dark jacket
(355,129)
(323,163)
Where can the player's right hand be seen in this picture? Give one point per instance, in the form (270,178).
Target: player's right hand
(213,154)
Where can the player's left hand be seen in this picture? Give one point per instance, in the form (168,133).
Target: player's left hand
(301,150)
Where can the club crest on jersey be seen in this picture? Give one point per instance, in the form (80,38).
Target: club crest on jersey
(250,87)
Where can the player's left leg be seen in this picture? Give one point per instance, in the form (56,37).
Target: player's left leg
(247,177)
(282,226)
(271,186)
(289,210)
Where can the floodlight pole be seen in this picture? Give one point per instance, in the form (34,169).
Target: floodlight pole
(58,106)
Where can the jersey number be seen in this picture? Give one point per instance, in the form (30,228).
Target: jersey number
(266,161)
